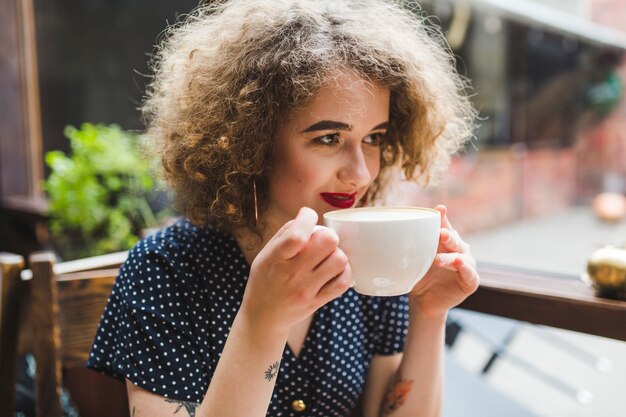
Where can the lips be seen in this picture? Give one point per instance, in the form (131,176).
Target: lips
(339,200)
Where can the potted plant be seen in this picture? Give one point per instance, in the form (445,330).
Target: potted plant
(101,195)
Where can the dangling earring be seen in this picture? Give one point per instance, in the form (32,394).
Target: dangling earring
(256,205)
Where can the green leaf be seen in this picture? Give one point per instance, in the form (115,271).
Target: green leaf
(99,194)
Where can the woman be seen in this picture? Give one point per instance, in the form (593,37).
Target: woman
(267,114)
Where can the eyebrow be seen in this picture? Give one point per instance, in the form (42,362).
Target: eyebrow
(383,125)
(327,125)
(334,125)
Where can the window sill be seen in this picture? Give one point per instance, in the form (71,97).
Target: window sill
(556,300)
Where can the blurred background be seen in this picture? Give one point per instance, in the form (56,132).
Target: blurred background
(540,188)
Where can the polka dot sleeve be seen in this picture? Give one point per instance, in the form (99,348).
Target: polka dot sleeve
(145,333)
(394,318)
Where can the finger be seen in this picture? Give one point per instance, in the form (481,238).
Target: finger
(447,261)
(445,222)
(458,263)
(451,241)
(336,286)
(282,230)
(333,265)
(294,236)
(468,277)
(323,243)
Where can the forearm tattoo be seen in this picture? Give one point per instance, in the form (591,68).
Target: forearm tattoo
(396,395)
(189,406)
(272,371)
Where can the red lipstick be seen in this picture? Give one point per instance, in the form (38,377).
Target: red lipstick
(339,200)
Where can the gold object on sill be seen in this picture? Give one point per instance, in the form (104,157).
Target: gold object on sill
(606,269)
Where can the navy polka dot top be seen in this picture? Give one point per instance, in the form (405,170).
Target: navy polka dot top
(175,300)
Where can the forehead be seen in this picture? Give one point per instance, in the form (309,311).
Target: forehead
(348,98)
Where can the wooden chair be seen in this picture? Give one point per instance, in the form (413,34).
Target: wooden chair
(53,310)
(11,296)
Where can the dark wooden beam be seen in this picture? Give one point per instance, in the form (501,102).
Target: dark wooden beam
(21,165)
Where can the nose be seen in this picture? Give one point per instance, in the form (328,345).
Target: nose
(355,170)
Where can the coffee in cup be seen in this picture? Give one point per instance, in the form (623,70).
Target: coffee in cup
(389,248)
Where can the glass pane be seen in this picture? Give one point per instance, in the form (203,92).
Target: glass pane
(92,60)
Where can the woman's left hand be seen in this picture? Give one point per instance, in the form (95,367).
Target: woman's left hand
(452,276)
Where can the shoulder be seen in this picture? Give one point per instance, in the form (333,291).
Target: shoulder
(179,237)
(177,243)
(173,252)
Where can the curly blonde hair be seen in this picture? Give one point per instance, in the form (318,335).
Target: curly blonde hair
(227,74)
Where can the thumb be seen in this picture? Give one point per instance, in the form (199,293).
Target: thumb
(294,235)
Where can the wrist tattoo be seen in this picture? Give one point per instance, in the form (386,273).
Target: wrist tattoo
(272,371)
(396,395)
(189,406)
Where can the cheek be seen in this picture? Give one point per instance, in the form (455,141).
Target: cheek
(300,169)
(293,173)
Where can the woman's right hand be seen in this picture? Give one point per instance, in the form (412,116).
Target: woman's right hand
(299,270)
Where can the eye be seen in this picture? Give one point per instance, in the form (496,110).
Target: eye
(375,139)
(327,140)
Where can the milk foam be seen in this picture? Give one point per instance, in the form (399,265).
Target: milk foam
(379,214)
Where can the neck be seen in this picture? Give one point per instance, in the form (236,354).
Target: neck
(251,243)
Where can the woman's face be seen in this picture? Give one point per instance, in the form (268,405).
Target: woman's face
(327,153)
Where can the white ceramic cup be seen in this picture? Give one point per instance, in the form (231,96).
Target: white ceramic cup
(389,248)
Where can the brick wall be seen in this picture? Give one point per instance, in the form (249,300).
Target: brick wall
(550,181)
(490,188)
(602,151)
